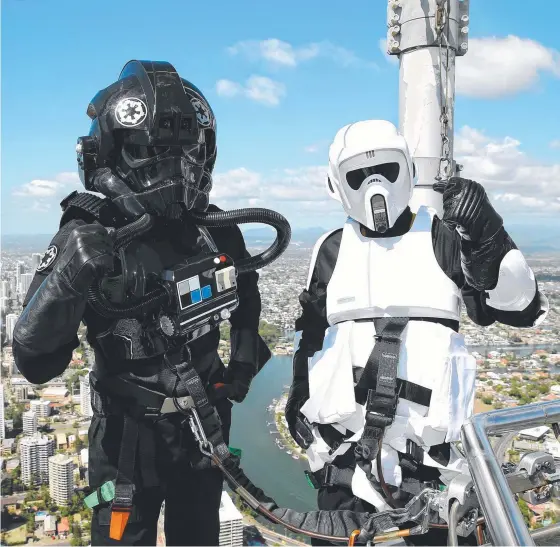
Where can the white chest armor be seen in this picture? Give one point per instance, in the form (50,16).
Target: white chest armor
(390,277)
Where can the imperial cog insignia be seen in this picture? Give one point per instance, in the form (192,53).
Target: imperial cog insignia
(48,258)
(202,112)
(130,112)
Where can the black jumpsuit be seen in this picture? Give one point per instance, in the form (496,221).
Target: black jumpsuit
(192,497)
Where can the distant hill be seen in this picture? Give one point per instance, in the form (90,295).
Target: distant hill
(534,240)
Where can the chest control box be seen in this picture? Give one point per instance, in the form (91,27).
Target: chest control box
(204,293)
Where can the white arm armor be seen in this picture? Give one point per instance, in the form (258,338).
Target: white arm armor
(516,286)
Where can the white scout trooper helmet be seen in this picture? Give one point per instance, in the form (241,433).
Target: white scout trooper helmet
(371,173)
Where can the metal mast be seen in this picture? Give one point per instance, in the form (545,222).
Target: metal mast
(427,35)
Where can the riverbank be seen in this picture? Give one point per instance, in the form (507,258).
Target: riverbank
(283,431)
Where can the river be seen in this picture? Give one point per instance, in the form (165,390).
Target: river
(270,468)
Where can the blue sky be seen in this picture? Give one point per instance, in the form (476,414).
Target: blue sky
(282,78)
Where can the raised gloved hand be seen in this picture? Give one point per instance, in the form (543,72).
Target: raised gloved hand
(299,427)
(87,256)
(237,381)
(466,206)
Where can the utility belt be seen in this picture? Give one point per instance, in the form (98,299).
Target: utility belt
(140,405)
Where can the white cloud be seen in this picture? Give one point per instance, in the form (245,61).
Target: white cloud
(257,88)
(312,148)
(496,67)
(280,53)
(45,192)
(227,88)
(299,194)
(555,143)
(518,183)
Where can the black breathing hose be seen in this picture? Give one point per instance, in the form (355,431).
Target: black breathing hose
(152,300)
(223,219)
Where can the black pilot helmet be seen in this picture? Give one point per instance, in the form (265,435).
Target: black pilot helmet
(152,142)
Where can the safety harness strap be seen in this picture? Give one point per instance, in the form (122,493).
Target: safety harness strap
(209,418)
(124,484)
(378,383)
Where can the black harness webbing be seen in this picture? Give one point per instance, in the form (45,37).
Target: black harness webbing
(378,383)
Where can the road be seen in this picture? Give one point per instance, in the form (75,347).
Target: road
(273,537)
(503,444)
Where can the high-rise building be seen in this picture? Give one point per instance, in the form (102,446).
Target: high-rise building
(61,479)
(35,261)
(2,424)
(20,269)
(85,396)
(35,452)
(29,423)
(21,393)
(41,408)
(4,289)
(11,320)
(25,283)
(231,522)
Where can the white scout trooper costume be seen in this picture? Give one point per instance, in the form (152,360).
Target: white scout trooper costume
(380,367)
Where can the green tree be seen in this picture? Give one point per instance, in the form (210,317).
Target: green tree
(30,524)
(79,442)
(77,536)
(487,400)
(525,511)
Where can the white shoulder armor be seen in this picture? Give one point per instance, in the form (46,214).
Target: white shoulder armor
(516,286)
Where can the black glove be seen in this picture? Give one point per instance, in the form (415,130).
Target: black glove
(466,206)
(299,426)
(237,381)
(88,255)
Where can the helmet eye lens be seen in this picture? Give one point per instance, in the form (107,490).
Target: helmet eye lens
(139,152)
(390,171)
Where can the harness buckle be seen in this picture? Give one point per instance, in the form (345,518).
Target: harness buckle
(121,510)
(312,480)
(174,404)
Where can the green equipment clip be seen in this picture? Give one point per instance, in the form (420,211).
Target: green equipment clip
(103,494)
(235,451)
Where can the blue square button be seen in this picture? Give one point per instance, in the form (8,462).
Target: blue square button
(206,292)
(195,296)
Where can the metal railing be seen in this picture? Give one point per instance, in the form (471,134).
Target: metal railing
(503,516)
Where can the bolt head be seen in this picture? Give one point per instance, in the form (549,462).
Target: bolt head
(465,30)
(79,148)
(464,46)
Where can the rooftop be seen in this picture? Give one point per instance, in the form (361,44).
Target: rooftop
(228,511)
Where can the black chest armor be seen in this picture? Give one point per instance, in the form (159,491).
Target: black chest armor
(184,257)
